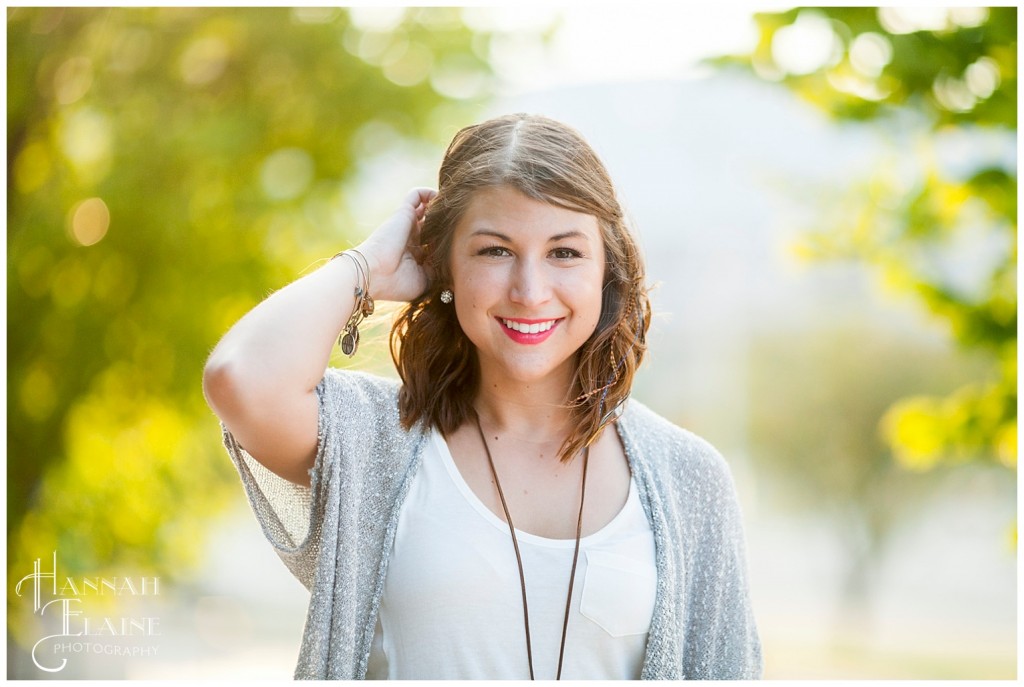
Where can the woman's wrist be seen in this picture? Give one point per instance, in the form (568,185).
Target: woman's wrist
(378,276)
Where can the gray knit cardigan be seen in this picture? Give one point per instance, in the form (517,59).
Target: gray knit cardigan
(336,535)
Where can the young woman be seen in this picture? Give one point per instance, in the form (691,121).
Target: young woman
(505,511)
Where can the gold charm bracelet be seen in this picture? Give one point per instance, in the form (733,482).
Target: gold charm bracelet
(348,339)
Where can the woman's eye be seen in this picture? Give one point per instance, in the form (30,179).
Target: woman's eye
(565,253)
(494,252)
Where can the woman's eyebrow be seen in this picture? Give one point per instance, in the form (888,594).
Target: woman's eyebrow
(569,235)
(491,232)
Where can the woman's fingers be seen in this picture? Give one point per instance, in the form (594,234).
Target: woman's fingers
(419,196)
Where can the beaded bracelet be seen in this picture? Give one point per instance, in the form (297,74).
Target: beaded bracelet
(362,307)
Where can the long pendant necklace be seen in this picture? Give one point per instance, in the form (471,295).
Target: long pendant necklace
(519,558)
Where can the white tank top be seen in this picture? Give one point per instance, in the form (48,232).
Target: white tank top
(452,603)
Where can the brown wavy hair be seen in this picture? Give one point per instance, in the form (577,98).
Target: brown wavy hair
(550,162)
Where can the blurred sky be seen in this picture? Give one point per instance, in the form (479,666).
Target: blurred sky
(601,42)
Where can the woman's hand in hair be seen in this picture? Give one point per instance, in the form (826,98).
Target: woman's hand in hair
(392,251)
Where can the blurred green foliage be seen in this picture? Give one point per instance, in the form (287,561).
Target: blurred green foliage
(167,168)
(922,73)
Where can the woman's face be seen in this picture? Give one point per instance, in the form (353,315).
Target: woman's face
(527,278)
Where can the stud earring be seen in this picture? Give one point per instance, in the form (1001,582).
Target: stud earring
(447,296)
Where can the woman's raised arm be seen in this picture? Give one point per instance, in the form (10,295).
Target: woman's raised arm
(261,376)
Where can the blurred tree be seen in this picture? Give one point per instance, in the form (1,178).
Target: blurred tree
(167,168)
(818,394)
(927,73)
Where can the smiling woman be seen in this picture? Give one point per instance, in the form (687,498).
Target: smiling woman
(506,512)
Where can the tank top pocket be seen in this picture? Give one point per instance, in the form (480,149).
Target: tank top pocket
(618,593)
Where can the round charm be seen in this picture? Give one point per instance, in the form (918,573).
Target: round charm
(350,342)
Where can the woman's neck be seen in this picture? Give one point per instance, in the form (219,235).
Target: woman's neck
(536,411)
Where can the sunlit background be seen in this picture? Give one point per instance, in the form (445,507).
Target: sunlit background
(826,198)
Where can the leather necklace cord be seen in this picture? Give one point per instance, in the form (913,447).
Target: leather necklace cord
(519,558)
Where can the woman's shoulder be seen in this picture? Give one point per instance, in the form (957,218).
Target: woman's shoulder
(356,386)
(358,396)
(359,418)
(665,447)
(337,380)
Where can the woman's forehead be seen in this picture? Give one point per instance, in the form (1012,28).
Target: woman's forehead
(505,212)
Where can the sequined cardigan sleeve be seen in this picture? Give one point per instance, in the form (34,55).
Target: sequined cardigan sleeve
(336,535)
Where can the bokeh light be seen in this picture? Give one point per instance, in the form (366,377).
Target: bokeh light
(806,45)
(32,167)
(87,139)
(901,20)
(72,80)
(286,173)
(90,221)
(204,60)
(982,77)
(870,52)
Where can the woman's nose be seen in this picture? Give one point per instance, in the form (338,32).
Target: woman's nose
(530,285)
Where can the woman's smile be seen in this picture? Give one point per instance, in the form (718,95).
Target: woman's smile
(528,331)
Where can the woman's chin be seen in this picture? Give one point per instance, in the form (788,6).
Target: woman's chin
(524,374)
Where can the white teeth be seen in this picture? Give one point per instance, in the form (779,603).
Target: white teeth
(535,328)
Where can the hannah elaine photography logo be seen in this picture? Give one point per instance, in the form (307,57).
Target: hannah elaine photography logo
(62,602)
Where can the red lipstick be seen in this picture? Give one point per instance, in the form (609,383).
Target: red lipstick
(526,337)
